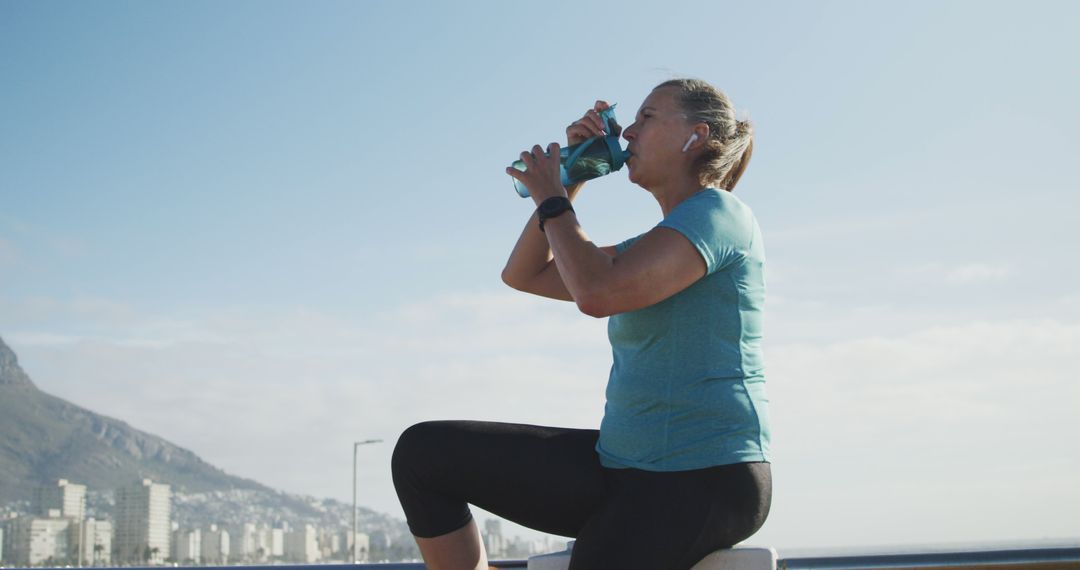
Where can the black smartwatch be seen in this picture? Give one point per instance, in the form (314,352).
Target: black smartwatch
(553,207)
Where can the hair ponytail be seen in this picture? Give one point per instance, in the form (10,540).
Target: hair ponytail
(745,141)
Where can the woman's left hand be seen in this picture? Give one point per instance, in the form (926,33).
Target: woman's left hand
(541,174)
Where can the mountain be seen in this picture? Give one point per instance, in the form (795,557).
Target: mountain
(10,371)
(45,438)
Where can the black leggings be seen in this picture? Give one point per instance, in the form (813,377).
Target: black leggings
(550,479)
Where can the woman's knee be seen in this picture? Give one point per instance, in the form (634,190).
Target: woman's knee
(424,483)
(418,445)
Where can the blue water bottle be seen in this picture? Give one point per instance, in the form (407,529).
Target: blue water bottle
(592,158)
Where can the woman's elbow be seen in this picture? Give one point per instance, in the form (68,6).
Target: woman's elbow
(594,305)
(509,279)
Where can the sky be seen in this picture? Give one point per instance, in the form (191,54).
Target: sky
(266,230)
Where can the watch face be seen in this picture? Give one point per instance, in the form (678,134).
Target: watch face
(553,207)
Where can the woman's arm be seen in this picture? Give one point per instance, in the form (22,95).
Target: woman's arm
(530,267)
(660,264)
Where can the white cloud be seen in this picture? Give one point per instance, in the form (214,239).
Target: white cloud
(954,274)
(85,313)
(945,434)
(24,234)
(977,272)
(843,226)
(35,339)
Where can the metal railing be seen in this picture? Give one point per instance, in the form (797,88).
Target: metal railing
(501,564)
(1051,558)
(1064,558)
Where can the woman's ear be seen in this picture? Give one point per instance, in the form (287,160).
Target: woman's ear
(701,132)
(690,141)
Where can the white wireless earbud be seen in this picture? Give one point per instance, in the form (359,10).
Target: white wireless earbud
(690,141)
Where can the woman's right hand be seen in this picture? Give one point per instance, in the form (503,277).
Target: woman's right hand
(590,125)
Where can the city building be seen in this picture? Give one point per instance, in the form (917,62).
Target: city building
(215,545)
(494,542)
(36,541)
(301,545)
(91,542)
(243,543)
(269,544)
(362,544)
(6,535)
(67,498)
(142,523)
(186,546)
(277,542)
(329,545)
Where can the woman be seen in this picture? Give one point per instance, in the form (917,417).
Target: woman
(680,465)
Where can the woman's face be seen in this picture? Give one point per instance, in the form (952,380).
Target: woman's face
(656,138)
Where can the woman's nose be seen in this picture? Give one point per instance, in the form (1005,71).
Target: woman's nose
(628,132)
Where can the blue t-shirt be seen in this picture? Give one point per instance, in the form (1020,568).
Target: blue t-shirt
(687,385)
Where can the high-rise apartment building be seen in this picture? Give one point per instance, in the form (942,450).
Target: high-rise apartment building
(277,542)
(301,545)
(94,537)
(67,498)
(215,545)
(493,538)
(362,543)
(245,544)
(142,523)
(36,541)
(187,546)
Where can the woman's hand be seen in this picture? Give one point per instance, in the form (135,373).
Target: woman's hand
(590,125)
(541,174)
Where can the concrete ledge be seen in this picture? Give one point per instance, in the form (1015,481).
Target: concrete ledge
(737,558)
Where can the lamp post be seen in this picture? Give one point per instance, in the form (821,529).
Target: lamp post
(356,445)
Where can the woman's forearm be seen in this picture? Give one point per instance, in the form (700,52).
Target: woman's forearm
(531,255)
(583,266)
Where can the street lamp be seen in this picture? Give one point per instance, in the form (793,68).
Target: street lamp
(355,446)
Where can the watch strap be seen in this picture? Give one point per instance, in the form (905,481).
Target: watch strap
(552,208)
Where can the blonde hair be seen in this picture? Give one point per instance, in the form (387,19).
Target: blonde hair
(731,141)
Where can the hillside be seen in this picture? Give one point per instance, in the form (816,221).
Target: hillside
(44,438)
(47,438)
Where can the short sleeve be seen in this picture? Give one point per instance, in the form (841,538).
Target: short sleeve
(719,226)
(625,245)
